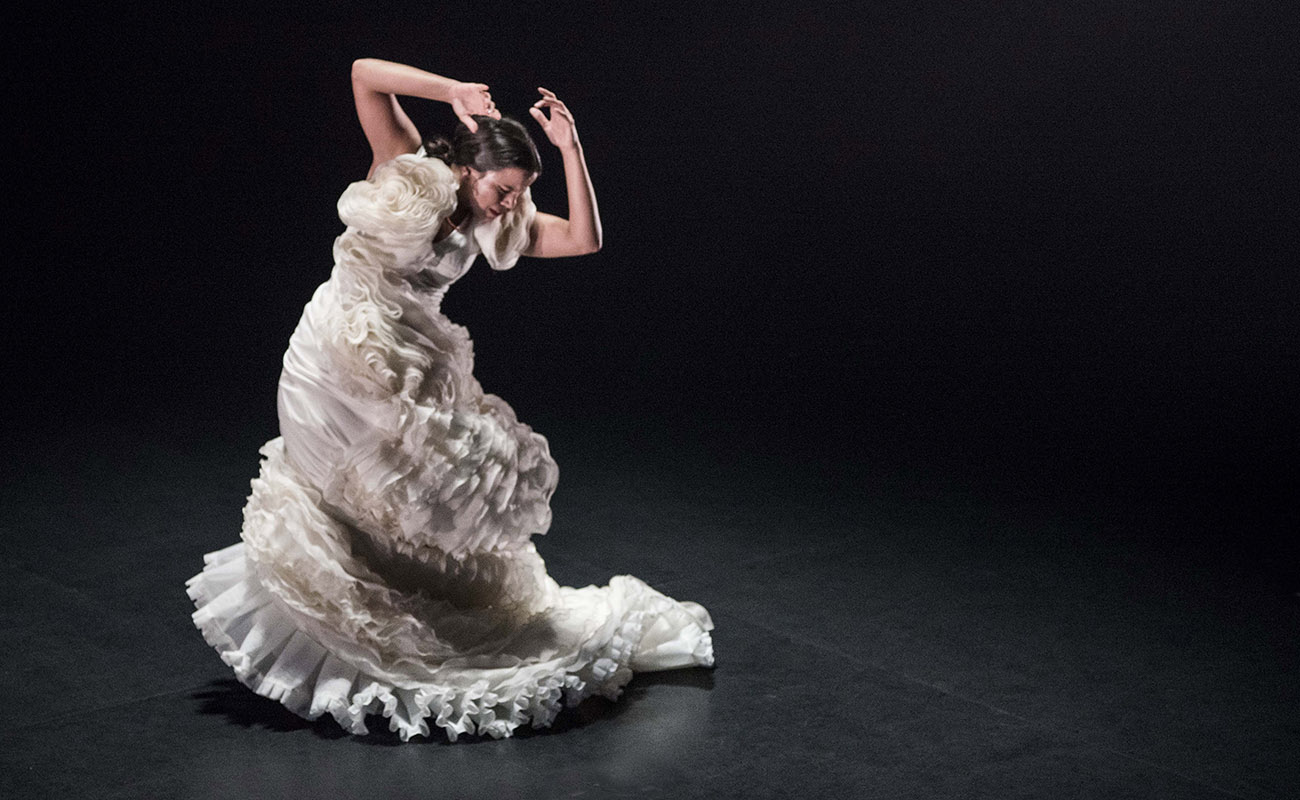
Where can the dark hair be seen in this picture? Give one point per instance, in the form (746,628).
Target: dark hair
(497,144)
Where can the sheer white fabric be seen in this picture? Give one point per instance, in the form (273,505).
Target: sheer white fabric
(386,564)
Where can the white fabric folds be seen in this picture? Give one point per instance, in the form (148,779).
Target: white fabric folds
(386,565)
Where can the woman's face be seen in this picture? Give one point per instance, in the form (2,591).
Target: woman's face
(495,192)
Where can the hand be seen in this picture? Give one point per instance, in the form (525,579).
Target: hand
(472,98)
(559,128)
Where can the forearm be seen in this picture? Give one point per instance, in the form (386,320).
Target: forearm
(584,217)
(388,77)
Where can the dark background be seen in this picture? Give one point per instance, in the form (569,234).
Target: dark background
(1034,254)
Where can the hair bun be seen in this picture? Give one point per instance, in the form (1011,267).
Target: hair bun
(438,148)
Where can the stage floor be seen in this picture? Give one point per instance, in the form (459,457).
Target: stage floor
(879,634)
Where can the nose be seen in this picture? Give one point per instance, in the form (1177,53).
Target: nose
(509,202)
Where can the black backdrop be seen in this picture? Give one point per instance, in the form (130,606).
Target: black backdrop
(1043,252)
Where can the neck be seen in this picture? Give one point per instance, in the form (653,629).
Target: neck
(458,216)
(464,206)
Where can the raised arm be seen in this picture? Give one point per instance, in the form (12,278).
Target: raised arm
(375,87)
(552,236)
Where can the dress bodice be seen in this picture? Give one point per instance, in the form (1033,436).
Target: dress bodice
(449,258)
(393,216)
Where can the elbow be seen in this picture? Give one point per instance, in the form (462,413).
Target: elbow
(583,243)
(361,67)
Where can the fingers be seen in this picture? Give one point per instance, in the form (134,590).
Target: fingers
(479,92)
(471,99)
(556,107)
(549,97)
(556,112)
(487,107)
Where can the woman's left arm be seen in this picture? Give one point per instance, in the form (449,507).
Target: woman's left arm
(552,236)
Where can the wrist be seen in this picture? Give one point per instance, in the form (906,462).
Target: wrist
(451,91)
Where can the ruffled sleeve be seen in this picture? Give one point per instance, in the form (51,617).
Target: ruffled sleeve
(404,201)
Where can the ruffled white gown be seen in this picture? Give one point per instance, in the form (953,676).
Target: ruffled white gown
(386,564)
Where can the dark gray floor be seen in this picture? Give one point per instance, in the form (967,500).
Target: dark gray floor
(875,638)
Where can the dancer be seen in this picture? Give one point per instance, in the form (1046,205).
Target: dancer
(386,564)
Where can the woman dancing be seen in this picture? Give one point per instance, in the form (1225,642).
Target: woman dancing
(386,564)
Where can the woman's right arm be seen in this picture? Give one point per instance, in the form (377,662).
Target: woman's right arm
(375,86)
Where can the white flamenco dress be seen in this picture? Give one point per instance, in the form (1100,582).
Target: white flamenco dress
(386,564)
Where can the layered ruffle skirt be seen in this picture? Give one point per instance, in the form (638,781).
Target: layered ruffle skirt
(386,565)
